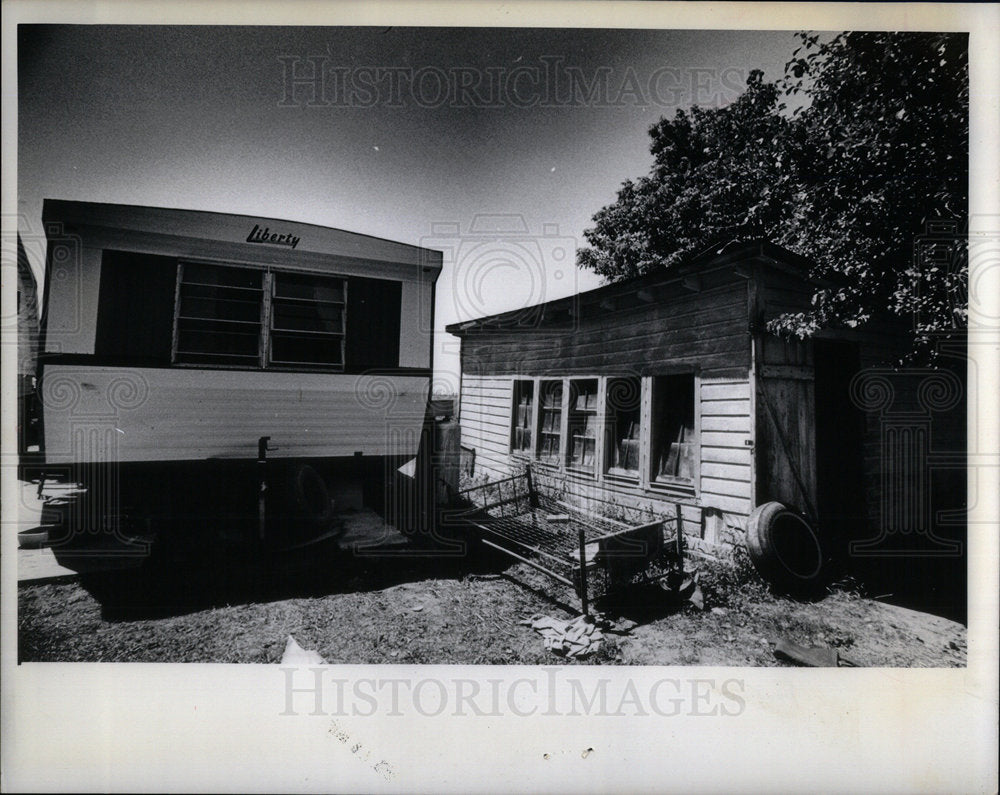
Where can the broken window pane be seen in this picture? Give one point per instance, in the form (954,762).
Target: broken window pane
(524,393)
(583,423)
(673,440)
(550,421)
(623,413)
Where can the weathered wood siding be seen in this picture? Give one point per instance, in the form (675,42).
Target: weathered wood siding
(664,329)
(672,330)
(908,467)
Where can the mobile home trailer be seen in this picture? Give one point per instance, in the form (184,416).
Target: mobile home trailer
(181,347)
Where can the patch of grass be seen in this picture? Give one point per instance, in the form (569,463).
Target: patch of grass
(732,583)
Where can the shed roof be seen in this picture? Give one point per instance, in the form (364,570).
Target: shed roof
(728,253)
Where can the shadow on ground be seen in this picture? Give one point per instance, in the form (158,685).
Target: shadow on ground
(170,586)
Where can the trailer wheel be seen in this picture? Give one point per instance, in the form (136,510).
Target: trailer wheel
(785,549)
(307,500)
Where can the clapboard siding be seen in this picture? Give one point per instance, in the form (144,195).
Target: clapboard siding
(485,419)
(739,473)
(727,455)
(724,438)
(727,424)
(724,408)
(486,412)
(724,390)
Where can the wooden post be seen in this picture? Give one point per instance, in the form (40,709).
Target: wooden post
(679,540)
(262,486)
(583,573)
(532,496)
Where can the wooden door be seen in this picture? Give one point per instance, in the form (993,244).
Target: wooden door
(785,436)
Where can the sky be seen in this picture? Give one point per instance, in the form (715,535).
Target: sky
(494,145)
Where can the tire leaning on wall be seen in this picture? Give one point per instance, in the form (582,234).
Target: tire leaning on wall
(785,549)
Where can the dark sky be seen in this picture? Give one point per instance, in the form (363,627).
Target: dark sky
(202,118)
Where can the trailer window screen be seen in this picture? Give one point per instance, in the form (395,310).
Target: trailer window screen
(221,312)
(307,321)
(673,440)
(583,424)
(218,315)
(550,421)
(524,394)
(623,423)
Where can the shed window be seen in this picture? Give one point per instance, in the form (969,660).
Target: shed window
(219,313)
(550,421)
(623,423)
(524,394)
(673,446)
(583,424)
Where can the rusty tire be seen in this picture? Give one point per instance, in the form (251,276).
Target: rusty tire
(785,549)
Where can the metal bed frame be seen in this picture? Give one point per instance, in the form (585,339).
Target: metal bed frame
(564,542)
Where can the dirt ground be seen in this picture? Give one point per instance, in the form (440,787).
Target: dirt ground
(427,609)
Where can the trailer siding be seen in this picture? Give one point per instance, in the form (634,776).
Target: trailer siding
(164,414)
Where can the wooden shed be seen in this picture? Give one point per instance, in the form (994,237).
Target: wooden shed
(667,389)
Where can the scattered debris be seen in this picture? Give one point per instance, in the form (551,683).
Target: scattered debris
(682,585)
(294,654)
(816,657)
(622,626)
(590,553)
(579,637)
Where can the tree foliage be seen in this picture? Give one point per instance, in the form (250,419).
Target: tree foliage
(874,152)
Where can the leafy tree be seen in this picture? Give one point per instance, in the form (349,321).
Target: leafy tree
(875,151)
(715,171)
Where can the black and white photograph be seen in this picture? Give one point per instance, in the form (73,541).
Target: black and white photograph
(447,368)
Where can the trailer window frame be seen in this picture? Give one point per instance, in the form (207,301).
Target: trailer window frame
(266,333)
